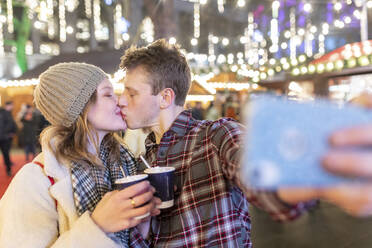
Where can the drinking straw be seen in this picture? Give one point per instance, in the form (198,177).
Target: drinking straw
(144,161)
(122,171)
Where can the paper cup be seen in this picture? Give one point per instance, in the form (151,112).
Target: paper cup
(125,182)
(162,178)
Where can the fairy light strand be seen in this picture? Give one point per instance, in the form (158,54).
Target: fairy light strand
(62,21)
(9,6)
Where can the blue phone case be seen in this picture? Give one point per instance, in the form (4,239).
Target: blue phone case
(285,141)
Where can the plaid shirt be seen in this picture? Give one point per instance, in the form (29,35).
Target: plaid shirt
(210,208)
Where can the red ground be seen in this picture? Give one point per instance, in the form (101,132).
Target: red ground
(19,160)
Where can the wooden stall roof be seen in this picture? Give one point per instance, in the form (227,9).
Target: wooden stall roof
(226,77)
(197,89)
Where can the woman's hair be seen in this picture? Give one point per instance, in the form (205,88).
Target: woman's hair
(71,143)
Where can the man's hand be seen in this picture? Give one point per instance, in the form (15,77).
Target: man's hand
(355,199)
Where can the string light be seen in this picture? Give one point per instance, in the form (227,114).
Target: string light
(194,42)
(199,98)
(307,7)
(369,4)
(117,16)
(321,40)
(230,85)
(357,14)
(126,36)
(211,56)
(69,29)
(88,8)
(337,6)
(62,21)
(274,34)
(71,5)
(293,43)
(241,3)
(196,20)
(347,19)
(172,40)
(225,41)
(43,13)
(97,18)
(9,7)
(2,20)
(220,4)
(255,50)
(50,18)
(312,69)
(148,28)
(249,32)
(309,37)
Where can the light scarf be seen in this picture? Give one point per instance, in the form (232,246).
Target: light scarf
(91,183)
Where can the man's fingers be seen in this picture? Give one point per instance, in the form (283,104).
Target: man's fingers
(343,163)
(293,195)
(355,199)
(364,100)
(360,136)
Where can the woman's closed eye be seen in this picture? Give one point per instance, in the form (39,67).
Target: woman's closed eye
(108,94)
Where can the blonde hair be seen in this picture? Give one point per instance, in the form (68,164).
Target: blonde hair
(71,143)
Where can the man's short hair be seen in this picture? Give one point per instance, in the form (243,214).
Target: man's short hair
(8,103)
(166,67)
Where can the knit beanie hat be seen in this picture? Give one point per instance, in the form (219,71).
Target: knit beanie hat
(64,90)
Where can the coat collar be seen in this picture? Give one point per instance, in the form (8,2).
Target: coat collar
(62,188)
(179,128)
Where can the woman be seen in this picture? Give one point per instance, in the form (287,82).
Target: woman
(64,198)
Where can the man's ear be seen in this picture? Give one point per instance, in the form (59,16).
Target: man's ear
(167,98)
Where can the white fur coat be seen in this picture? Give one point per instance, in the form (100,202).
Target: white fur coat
(28,215)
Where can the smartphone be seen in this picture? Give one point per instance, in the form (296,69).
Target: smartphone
(286,139)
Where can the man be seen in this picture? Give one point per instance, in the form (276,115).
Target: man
(8,130)
(211,205)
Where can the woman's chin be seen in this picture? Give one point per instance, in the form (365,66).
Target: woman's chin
(120,128)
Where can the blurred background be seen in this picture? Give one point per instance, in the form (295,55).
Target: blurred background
(299,48)
(235,47)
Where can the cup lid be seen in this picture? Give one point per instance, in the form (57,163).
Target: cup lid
(158,169)
(133,178)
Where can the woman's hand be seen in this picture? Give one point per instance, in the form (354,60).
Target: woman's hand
(116,212)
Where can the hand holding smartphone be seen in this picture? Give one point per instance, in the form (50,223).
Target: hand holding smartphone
(286,140)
